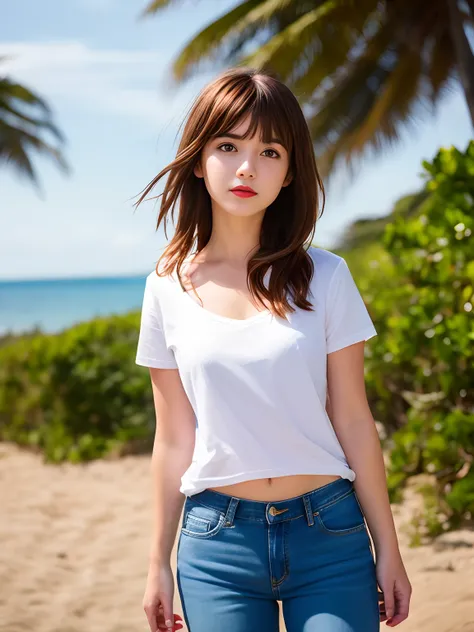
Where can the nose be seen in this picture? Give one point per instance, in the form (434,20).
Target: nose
(246,170)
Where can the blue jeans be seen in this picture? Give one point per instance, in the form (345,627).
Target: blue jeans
(237,558)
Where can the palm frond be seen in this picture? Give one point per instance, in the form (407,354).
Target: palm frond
(367,107)
(268,10)
(23,117)
(15,149)
(325,59)
(12,151)
(211,40)
(9,91)
(397,104)
(313,46)
(393,103)
(157,5)
(357,83)
(441,65)
(284,49)
(470,4)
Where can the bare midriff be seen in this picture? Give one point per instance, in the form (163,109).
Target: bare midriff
(278,488)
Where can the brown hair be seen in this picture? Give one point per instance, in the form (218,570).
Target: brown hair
(288,222)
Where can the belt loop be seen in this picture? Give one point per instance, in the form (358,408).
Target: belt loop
(308,509)
(230,513)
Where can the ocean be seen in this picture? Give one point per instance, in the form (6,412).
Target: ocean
(54,305)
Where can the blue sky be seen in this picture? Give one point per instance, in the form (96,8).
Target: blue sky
(103,71)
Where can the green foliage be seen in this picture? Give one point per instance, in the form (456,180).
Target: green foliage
(428,521)
(418,286)
(429,340)
(76,395)
(367,232)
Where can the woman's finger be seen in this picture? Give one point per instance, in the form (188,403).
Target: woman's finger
(177,625)
(402,600)
(389,600)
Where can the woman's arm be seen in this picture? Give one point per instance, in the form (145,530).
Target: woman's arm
(357,433)
(172,454)
(355,428)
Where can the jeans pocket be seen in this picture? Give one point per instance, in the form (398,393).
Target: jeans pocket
(342,516)
(200,521)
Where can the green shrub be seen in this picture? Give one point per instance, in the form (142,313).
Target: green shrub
(76,395)
(430,334)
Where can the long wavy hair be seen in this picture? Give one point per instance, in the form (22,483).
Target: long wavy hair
(288,224)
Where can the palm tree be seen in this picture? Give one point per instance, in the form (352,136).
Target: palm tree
(23,118)
(363,70)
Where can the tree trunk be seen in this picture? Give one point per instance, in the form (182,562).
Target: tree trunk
(464,56)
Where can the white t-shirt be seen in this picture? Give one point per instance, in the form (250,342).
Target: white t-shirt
(257,386)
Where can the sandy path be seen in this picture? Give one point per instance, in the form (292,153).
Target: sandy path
(74,547)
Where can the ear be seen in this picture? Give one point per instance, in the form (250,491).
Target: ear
(288,179)
(197,170)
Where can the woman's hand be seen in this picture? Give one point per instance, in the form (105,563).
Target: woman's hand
(393,581)
(158,599)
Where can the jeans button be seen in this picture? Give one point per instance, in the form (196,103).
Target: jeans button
(273,511)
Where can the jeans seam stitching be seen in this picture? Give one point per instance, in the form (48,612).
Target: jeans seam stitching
(341,531)
(204,535)
(333,501)
(209,507)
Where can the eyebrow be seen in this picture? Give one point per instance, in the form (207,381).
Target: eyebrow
(236,136)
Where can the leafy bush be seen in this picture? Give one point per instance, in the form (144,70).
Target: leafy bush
(76,395)
(430,332)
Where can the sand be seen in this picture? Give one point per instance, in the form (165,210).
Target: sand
(74,551)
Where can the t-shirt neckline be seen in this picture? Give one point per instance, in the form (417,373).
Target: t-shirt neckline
(226,319)
(237,322)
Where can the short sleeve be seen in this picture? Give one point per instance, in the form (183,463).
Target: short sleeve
(152,350)
(347,318)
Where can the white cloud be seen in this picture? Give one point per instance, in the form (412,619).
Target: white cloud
(127,82)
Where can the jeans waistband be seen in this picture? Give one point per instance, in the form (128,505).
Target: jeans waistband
(275,511)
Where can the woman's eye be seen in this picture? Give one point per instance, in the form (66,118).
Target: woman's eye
(273,151)
(221,147)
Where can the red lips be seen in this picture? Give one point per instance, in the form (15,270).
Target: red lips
(243,188)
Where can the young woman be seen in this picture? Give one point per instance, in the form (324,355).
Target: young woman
(255,343)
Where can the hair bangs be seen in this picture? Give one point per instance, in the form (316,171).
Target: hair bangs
(267,114)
